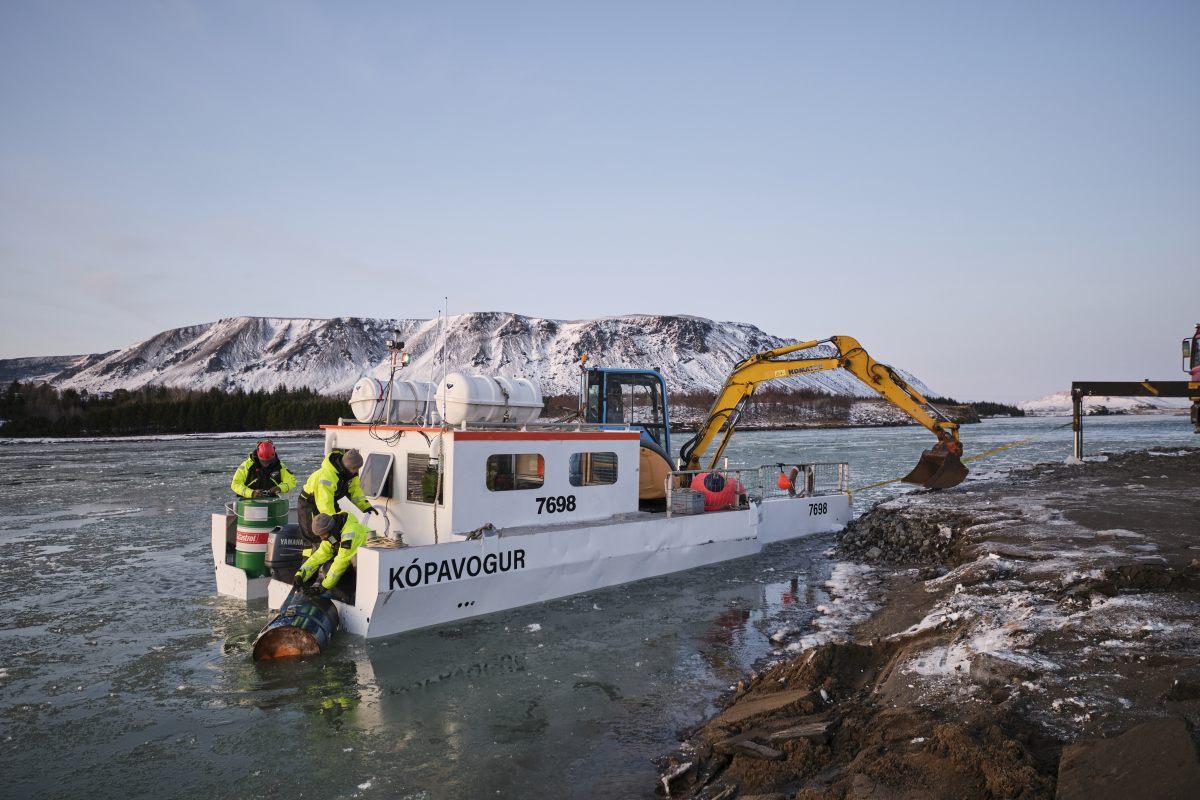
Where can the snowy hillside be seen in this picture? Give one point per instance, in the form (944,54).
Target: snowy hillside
(329,355)
(36,369)
(1059,404)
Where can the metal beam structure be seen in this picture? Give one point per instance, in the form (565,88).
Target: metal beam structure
(1146,388)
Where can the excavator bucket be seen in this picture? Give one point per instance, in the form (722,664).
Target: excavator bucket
(937,469)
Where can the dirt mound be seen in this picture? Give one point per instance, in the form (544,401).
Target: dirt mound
(1052,606)
(1133,578)
(1156,759)
(916,536)
(823,733)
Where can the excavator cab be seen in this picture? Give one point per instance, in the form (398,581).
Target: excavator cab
(633,397)
(1191,355)
(1191,365)
(638,399)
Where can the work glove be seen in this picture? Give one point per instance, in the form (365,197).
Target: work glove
(255,493)
(370,510)
(299,580)
(313,589)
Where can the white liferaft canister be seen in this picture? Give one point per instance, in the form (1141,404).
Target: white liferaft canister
(488,398)
(407,402)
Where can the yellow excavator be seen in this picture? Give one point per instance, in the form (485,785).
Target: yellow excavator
(939,468)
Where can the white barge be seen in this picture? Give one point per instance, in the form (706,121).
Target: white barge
(479,517)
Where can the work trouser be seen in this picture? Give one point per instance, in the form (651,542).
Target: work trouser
(354,535)
(306,509)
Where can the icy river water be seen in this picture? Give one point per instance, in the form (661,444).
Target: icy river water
(123,675)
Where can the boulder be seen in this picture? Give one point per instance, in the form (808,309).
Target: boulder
(993,669)
(1155,759)
(1186,686)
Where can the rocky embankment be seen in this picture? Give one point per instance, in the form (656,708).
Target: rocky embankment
(1036,638)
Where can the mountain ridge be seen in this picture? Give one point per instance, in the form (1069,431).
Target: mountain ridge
(329,355)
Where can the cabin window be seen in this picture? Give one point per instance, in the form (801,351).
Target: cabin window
(422,480)
(636,400)
(509,471)
(593,469)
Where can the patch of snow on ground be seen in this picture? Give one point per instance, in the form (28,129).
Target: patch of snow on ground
(850,602)
(1023,613)
(937,619)
(1002,625)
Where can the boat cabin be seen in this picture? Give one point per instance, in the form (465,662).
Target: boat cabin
(434,485)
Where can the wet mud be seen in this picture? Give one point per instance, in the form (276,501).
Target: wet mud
(1035,638)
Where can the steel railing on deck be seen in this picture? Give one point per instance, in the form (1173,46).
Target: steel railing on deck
(744,484)
(727,489)
(804,480)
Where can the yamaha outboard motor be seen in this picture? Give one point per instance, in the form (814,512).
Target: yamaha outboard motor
(284,557)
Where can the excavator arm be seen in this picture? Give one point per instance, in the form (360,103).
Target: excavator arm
(939,468)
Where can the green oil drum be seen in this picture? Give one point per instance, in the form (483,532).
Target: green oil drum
(255,521)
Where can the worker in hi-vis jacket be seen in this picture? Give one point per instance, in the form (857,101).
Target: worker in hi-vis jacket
(336,478)
(262,474)
(343,539)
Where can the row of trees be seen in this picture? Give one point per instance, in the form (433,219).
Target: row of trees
(984,408)
(768,405)
(775,405)
(37,409)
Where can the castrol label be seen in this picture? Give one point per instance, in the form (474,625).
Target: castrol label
(251,541)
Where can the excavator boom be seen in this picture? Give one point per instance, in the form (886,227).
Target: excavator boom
(940,467)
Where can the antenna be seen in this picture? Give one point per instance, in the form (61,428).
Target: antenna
(398,359)
(432,404)
(445,335)
(440,465)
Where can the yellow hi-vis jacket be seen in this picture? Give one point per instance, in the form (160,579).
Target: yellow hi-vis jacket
(354,536)
(330,483)
(254,475)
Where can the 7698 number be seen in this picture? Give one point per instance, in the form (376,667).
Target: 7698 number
(556,505)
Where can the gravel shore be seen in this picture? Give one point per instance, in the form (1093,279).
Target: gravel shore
(1033,636)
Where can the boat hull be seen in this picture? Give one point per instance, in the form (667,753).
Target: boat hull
(406,589)
(782,518)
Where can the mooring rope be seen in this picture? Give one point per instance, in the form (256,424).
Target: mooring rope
(974,457)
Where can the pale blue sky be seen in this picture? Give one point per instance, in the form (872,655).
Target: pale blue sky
(999,197)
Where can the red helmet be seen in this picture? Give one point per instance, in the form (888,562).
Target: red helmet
(266,450)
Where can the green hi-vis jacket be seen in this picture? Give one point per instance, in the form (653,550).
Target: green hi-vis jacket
(254,475)
(332,482)
(354,536)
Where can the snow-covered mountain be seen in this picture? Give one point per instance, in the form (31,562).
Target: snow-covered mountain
(38,369)
(329,355)
(1059,404)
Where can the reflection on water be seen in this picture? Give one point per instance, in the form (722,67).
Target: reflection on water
(570,693)
(122,675)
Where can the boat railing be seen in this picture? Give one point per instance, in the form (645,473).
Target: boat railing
(590,427)
(724,489)
(731,488)
(803,480)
